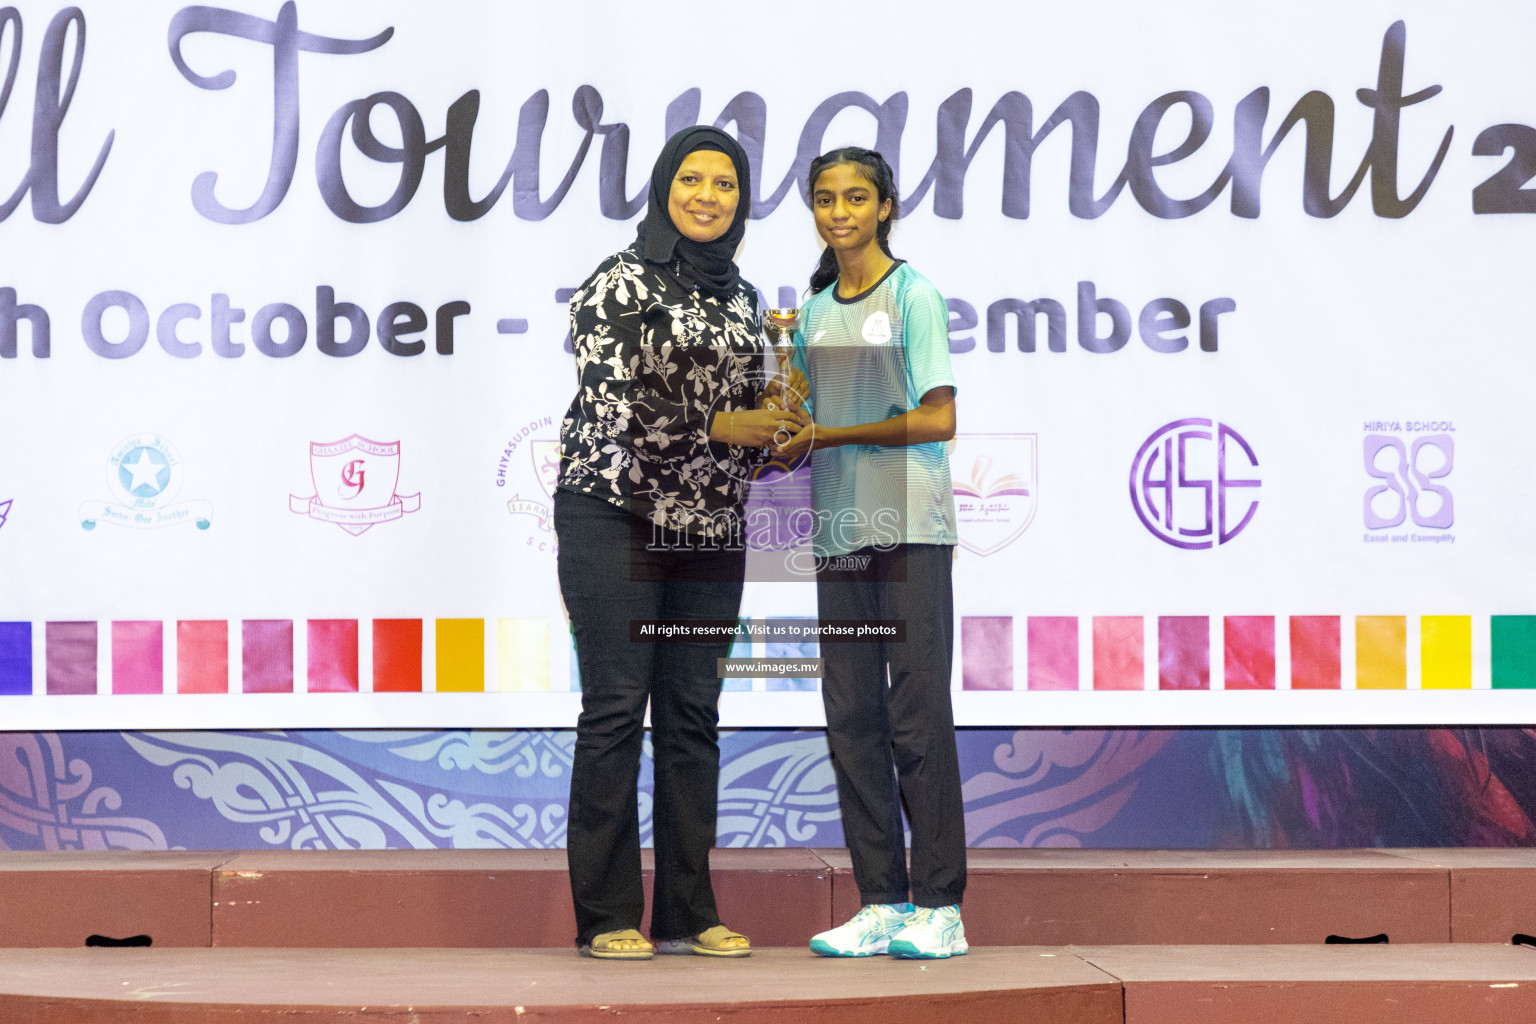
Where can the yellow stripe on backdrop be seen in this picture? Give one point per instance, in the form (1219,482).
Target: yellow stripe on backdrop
(1445,645)
(460,655)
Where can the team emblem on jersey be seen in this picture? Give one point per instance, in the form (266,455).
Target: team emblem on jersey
(877,327)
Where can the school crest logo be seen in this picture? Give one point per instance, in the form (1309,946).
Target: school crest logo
(996,490)
(355,482)
(144,474)
(533,477)
(546,472)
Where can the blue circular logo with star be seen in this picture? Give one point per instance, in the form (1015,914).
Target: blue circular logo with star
(144,472)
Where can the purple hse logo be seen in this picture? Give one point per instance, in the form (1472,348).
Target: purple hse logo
(1180,482)
(363,474)
(5,510)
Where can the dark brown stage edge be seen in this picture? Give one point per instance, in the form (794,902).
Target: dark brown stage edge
(1291,984)
(393,898)
(63,897)
(1493,891)
(781,986)
(521,898)
(1057,896)
(481,898)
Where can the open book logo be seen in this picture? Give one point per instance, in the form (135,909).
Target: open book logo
(996,488)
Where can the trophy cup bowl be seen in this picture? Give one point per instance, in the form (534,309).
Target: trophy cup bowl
(779,325)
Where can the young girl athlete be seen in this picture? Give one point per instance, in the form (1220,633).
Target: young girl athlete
(874,346)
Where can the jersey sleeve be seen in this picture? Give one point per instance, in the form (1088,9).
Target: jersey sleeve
(925,321)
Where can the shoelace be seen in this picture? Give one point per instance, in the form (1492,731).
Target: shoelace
(920,916)
(871,918)
(869,915)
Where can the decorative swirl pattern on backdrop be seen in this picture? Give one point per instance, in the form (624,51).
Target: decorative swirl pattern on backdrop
(50,800)
(381,789)
(1051,788)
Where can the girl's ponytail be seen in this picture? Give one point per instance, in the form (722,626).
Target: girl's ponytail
(825,272)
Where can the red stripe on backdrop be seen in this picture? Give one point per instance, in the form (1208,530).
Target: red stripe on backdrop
(1117,653)
(1249,642)
(333,656)
(138,657)
(202,656)
(397,655)
(1314,652)
(266,656)
(1053,652)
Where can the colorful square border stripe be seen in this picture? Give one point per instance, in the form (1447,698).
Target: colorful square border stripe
(994,653)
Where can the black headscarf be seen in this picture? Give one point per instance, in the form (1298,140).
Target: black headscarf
(709,266)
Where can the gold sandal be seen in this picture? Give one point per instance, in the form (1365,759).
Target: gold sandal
(718,941)
(605,946)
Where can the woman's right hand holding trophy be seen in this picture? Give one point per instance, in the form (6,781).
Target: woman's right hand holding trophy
(778,416)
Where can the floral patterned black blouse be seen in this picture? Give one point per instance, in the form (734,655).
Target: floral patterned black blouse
(655,360)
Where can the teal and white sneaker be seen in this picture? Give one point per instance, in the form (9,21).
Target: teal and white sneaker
(930,934)
(865,935)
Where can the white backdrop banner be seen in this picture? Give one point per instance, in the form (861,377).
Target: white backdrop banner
(1240,314)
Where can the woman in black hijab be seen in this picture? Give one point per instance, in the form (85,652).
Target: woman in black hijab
(669,420)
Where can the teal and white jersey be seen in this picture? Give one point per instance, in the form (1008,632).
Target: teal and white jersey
(869,358)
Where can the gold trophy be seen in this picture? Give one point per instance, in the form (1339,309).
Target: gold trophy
(779,325)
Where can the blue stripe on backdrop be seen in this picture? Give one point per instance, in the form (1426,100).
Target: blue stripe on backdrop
(1193,788)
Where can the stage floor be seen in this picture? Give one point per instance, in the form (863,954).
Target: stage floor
(1433,984)
(1059,936)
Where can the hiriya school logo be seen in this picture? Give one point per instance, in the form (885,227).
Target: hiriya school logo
(355,481)
(145,474)
(1194,483)
(1409,462)
(535,475)
(996,488)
